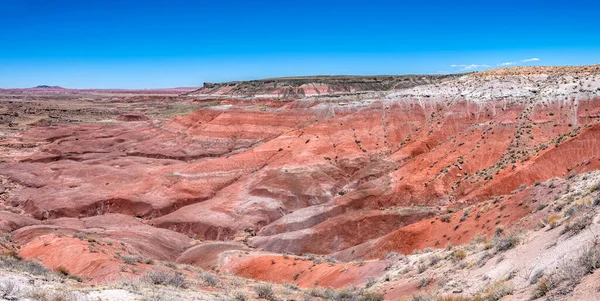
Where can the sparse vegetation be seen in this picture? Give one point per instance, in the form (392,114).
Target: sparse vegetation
(494,292)
(162,277)
(9,290)
(578,223)
(544,285)
(20,265)
(424,282)
(208,279)
(505,242)
(459,254)
(129,259)
(265,291)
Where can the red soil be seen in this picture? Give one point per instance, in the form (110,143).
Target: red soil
(290,176)
(304,273)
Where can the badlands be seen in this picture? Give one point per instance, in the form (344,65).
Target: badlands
(479,186)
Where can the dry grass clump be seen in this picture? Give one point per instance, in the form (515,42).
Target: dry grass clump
(347,294)
(127,259)
(209,279)
(544,285)
(453,298)
(553,221)
(494,292)
(53,295)
(459,254)
(424,282)
(589,259)
(570,273)
(162,277)
(17,264)
(420,297)
(264,291)
(505,242)
(595,187)
(9,290)
(578,223)
(239,296)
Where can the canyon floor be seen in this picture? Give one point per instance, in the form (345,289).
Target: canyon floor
(479,186)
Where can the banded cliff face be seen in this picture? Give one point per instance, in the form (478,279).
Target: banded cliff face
(354,177)
(315,86)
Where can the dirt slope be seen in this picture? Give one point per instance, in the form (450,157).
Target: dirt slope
(246,186)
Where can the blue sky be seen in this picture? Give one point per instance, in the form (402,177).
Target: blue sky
(152,44)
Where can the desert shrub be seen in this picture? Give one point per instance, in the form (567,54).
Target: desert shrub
(488,244)
(589,259)
(459,254)
(44,294)
(391,255)
(422,268)
(264,291)
(370,297)
(420,297)
(62,270)
(37,293)
(571,211)
(347,294)
(80,235)
(505,242)
(544,285)
(239,296)
(162,277)
(291,286)
(343,295)
(331,259)
(595,187)
(9,290)
(370,281)
(156,295)
(318,292)
(445,219)
(578,223)
(571,271)
(424,282)
(453,298)
(75,277)
(434,259)
(27,266)
(553,221)
(493,292)
(208,279)
(130,259)
(484,259)
(314,258)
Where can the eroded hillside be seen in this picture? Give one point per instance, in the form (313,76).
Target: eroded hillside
(322,192)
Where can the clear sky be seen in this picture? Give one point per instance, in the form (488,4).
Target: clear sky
(153,44)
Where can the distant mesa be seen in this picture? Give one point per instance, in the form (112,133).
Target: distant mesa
(47,87)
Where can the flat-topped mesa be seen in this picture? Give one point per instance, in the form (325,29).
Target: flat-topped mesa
(307,86)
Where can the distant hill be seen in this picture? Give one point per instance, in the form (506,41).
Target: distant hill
(47,87)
